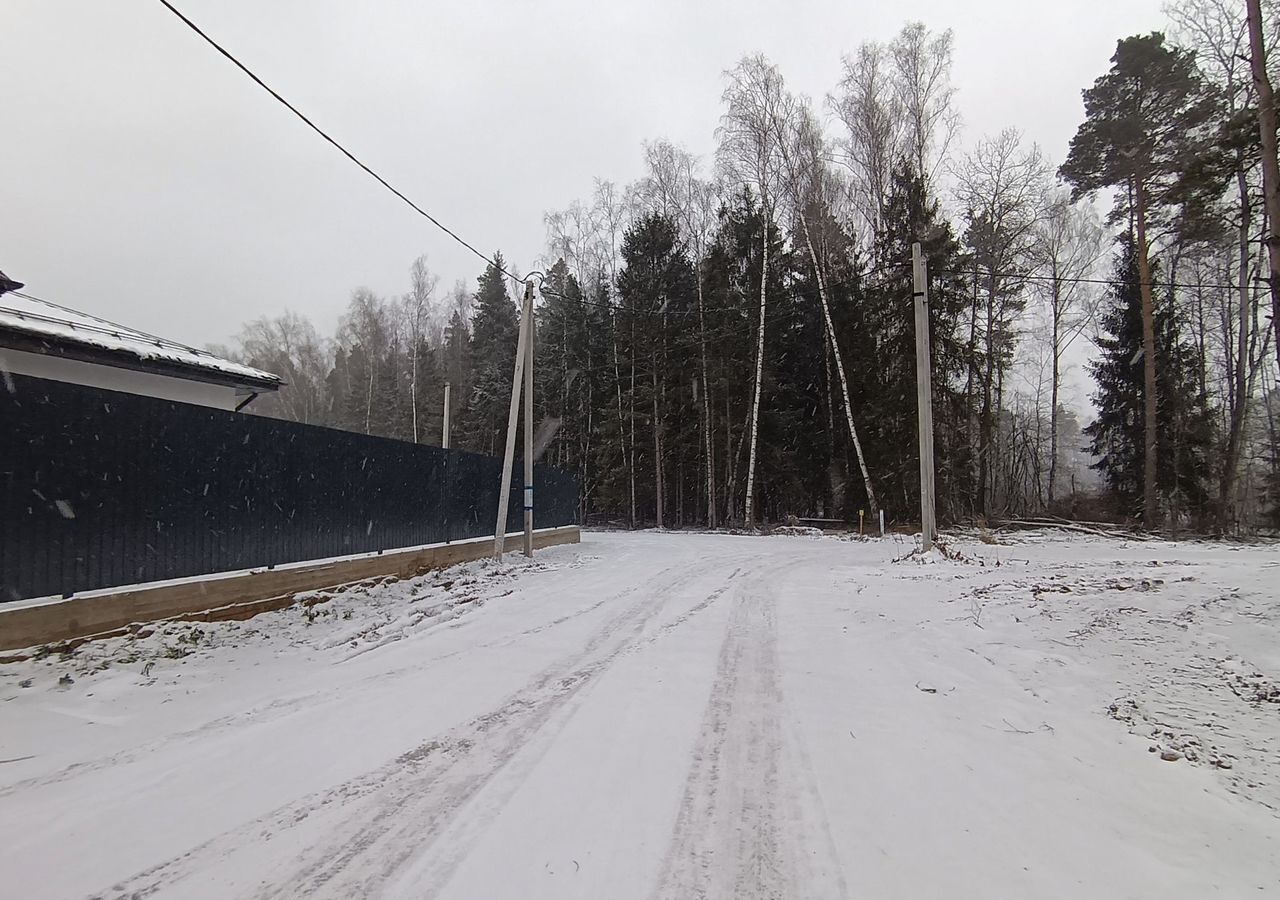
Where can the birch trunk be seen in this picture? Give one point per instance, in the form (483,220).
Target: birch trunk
(413,391)
(835,348)
(706,408)
(749,507)
(1056,313)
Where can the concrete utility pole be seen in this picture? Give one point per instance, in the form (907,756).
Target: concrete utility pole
(444,434)
(527,317)
(924,395)
(508,459)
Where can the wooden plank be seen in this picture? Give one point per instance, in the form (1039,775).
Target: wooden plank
(238,596)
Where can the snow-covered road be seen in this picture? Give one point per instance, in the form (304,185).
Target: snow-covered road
(678,716)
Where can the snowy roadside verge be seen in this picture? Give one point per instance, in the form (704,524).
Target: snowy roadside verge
(1177,641)
(171,673)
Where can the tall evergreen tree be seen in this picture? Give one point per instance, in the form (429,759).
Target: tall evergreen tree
(457,366)
(1184,425)
(495,330)
(732,272)
(391,416)
(573,339)
(658,292)
(430,396)
(1142,120)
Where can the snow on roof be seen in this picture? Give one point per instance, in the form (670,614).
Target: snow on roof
(31,315)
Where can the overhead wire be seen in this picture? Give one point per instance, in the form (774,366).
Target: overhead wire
(750,321)
(1106,282)
(223,51)
(336,144)
(856,278)
(420,210)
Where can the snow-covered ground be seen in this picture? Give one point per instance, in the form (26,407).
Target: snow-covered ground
(676,716)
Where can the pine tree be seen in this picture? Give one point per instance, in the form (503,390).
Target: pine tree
(1142,122)
(495,330)
(1184,424)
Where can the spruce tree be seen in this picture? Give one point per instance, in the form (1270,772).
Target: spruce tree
(430,397)
(495,331)
(560,359)
(657,292)
(1184,424)
(457,366)
(390,415)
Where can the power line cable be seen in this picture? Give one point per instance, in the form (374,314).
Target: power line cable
(367,169)
(485,258)
(1106,282)
(318,130)
(855,279)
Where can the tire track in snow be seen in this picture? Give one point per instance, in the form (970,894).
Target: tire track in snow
(732,835)
(280,707)
(427,876)
(388,816)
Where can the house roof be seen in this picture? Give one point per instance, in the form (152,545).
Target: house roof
(29,323)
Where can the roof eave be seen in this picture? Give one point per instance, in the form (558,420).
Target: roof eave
(50,345)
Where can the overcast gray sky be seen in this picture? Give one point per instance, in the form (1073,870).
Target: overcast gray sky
(148,181)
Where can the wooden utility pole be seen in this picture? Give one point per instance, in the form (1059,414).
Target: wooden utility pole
(444,434)
(508,459)
(924,395)
(526,317)
(1270,160)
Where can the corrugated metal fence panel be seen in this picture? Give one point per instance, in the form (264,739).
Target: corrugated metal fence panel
(101,489)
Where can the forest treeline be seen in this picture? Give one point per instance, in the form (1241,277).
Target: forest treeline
(731,341)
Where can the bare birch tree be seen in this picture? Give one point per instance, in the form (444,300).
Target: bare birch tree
(806,186)
(748,151)
(1069,242)
(367,325)
(922,86)
(289,346)
(867,104)
(417,314)
(999,186)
